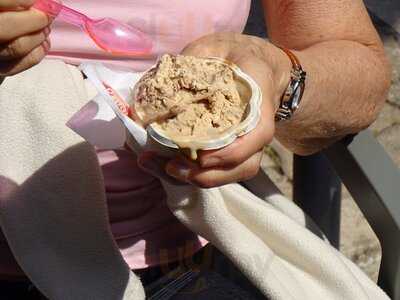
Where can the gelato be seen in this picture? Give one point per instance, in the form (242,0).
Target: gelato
(190,98)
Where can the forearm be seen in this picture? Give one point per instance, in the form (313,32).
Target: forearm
(348,73)
(346,87)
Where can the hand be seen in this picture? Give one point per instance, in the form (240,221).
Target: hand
(270,68)
(23,36)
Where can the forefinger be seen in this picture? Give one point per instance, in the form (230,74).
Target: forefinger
(240,150)
(18,23)
(15,4)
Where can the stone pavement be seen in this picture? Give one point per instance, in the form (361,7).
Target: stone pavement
(358,242)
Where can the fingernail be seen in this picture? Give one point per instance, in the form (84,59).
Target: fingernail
(154,165)
(210,162)
(178,170)
(46,31)
(46,45)
(25,3)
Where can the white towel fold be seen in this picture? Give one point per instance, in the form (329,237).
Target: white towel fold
(52,200)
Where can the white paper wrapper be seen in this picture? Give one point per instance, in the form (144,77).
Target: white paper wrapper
(101,122)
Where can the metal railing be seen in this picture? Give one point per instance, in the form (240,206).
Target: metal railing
(373,180)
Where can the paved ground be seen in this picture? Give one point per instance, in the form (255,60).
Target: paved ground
(358,242)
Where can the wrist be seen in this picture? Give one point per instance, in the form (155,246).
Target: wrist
(292,96)
(283,77)
(281,67)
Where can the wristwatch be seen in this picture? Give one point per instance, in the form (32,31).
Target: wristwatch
(291,99)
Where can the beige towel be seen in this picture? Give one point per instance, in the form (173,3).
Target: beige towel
(52,198)
(268,242)
(54,216)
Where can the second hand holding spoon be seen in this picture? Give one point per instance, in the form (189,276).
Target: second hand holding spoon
(109,34)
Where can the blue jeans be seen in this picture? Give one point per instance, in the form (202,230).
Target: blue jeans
(206,275)
(19,290)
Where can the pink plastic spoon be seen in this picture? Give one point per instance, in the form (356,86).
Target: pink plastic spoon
(109,34)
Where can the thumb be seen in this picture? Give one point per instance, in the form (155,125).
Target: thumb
(155,165)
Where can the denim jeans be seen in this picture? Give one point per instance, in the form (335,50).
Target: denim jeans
(206,275)
(19,290)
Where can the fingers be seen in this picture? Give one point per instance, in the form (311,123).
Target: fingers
(155,165)
(23,36)
(23,45)
(15,4)
(186,171)
(9,68)
(14,24)
(243,148)
(180,170)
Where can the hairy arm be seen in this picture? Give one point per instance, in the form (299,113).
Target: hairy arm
(348,72)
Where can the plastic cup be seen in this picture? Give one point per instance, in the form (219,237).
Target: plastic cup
(249,89)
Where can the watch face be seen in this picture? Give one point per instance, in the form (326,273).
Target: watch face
(292,97)
(297,94)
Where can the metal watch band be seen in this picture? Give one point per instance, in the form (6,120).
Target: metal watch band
(291,98)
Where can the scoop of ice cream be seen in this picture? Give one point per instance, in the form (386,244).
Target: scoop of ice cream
(190,97)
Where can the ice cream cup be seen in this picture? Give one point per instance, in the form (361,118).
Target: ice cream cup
(247,88)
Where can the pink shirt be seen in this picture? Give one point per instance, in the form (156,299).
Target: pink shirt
(143,227)
(172,24)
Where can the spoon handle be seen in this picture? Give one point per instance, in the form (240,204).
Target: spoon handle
(55,9)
